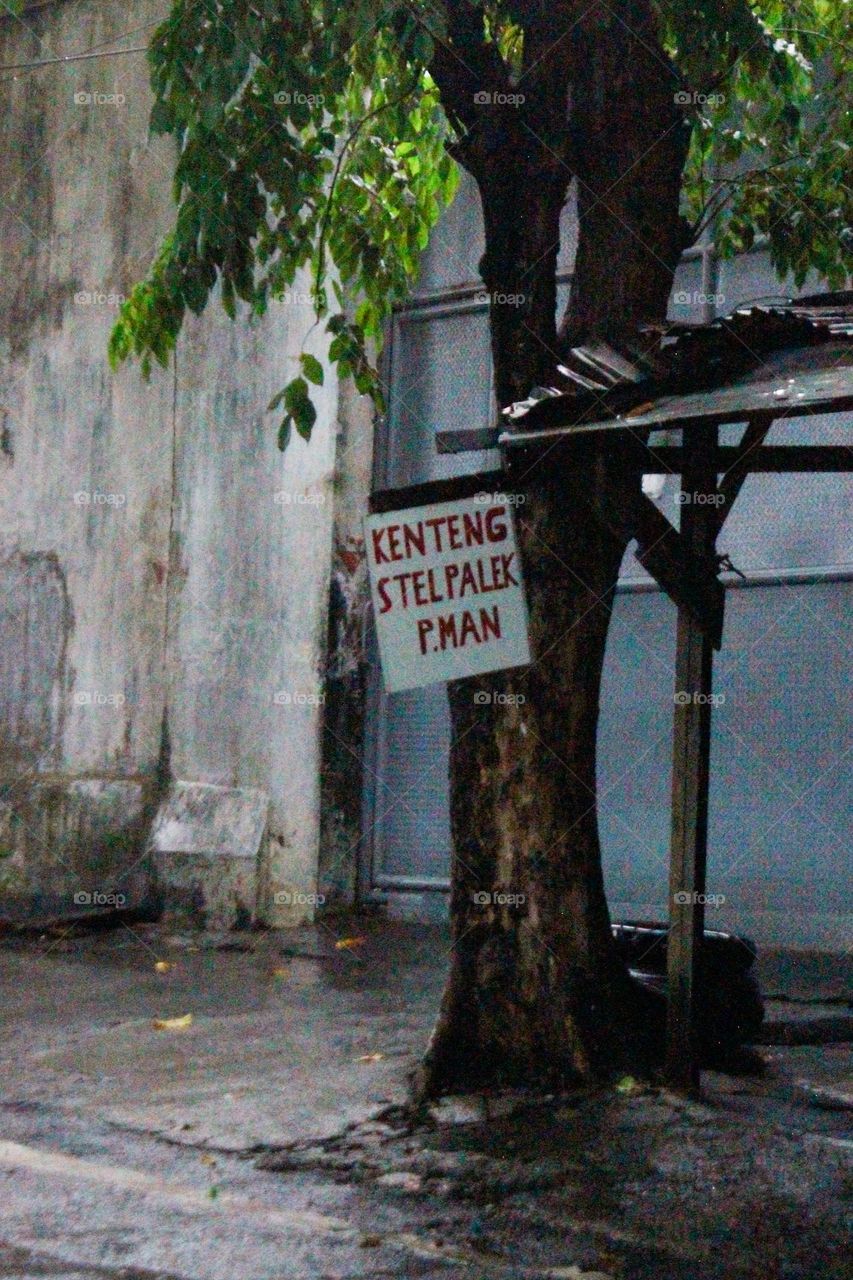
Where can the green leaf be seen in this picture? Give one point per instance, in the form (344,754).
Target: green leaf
(298,403)
(312,368)
(162,118)
(423,47)
(323,157)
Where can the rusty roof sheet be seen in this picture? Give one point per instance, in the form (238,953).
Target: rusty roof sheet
(756,360)
(784,390)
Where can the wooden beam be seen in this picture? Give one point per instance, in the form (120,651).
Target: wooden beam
(690,777)
(732,482)
(688,580)
(780,458)
(468,441)
(664,553)
(776,458)
(448,490)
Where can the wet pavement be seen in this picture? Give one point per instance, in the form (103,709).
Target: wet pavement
(266,1139)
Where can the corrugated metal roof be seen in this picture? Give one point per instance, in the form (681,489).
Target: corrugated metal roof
(596,382)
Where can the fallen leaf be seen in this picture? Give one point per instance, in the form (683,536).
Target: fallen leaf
(345,944)
(400,1181)
(370,1057)
(209,1160)
(278,973)
(172,1024)
(575,1273)
(163,966)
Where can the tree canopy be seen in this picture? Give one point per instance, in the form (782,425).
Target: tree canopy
(320,135)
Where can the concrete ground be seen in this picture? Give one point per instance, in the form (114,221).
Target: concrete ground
(264,1138)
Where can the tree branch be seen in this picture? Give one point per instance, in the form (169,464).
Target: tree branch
(466,63)
(714,205)
(320,256)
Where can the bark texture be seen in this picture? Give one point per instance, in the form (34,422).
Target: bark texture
(630,141)
(535,991)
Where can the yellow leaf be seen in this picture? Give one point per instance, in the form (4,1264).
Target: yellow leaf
(345,944)
(172,1024)
(163,966)
(278,973)
(371,1057)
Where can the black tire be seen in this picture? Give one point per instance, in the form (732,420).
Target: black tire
(729,1008)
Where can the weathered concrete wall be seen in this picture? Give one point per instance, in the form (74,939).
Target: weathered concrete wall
(164,568)
(249,582)
(85,463)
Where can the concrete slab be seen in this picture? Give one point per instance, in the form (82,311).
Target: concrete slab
(206,842)
(72,847)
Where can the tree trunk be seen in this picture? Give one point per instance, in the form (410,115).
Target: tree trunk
(534,978)
(536,992)
(631,141)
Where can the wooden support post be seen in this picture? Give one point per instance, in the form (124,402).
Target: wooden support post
(690,770)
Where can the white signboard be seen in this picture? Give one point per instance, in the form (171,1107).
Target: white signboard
(447,592)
